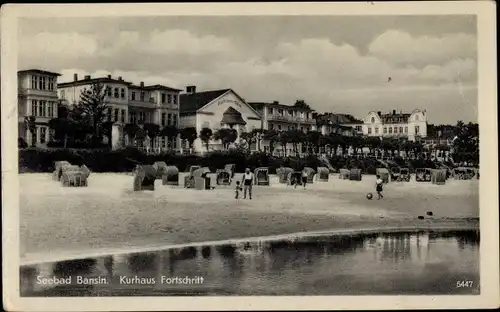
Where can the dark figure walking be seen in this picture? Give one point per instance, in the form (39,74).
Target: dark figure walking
(379,187)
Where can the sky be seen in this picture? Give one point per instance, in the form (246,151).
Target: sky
(339,64)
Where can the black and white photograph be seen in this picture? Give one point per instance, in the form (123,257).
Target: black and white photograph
(234,152)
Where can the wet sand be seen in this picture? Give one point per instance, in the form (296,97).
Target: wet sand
(109,215)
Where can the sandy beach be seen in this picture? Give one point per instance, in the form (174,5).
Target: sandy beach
(108,214)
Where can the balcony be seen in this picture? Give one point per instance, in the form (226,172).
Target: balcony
(294,119)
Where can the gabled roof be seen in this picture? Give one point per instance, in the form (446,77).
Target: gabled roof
(394,118)
(191,103)
(38,71)
(161,87)
(260,105)
(91,81)
(232,117)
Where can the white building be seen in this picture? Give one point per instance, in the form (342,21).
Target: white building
(394,124)
(129,103)
(37,96)
(216,109)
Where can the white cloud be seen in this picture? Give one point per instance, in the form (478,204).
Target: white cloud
(399,47)
(67,45)
(182,41)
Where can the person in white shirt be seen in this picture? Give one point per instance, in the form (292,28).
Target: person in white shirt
(379,187)
(247,182)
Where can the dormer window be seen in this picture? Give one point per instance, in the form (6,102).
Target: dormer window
(416,117)
(373,119)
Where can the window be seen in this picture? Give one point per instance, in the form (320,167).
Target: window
(163,117)
(43,134)
(142,116)
(417,129)
(163,97)
(132,117)
(51,83)
(132,96)
(41,108)
(373,119)
(169,98)
(122,93)
(369,130)
(395,130)
(400,129)
(163,142)
(390,130)
(42,83)
(142,96)
(174,120)
(63,95)
(122,119)
(280,112)
(115,115)
(116,93)
(175,98)
(34,80)
(50,112)
(271,126)
(34,107)
(279,127)
(385,130)
(108,114)
(290,112)
(376,130)
(169,119)
(108,91)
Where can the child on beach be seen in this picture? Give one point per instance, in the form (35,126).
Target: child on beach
(237,190)
(379,187)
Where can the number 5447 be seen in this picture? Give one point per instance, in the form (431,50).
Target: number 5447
(464,284)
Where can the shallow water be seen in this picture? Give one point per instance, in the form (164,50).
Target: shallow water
(369,264)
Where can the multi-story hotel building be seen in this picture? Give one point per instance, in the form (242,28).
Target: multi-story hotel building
(280,117)
(409,125)
(129,103)
(37,96)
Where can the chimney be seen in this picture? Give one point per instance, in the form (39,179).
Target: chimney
(394,112)
(142,83)
(87,77)
(191,89)
(109,76)
(120,78)
(75,77)
(379,113)
(276,102)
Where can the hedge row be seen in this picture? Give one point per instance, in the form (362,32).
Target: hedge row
(105,160)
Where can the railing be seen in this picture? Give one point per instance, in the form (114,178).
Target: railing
(291,118)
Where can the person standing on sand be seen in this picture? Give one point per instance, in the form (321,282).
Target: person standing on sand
(247,181)
(304,178)
(379,187)
(237,190)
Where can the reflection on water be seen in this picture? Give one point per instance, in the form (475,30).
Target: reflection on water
(402,263)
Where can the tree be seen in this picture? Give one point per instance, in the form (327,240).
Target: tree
(92,109)
(226,136)
(131,130)
(189,134)
(169,131)
(249,139)
(30,124)
(312,139)
(152,131)
(272,137)
(466,143)
(205,136)
(301,104)
(373,143)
